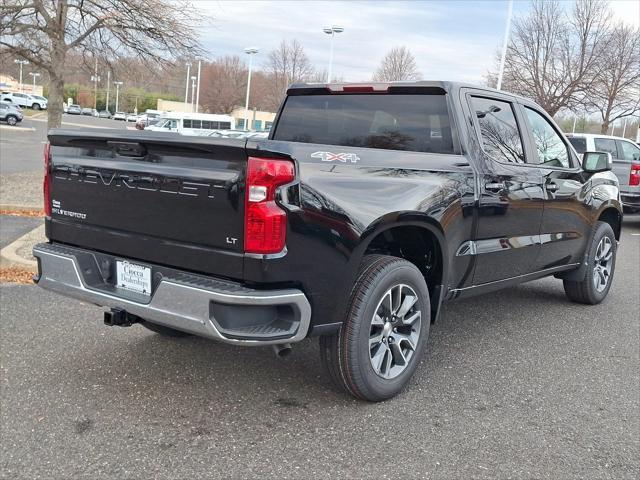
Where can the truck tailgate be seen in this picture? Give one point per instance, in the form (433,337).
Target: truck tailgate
(166,199)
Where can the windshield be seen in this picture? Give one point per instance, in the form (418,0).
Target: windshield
(415,122)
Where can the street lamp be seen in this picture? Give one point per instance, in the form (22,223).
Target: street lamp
(95,79)
(193,91)
(331,31)
(34,75)
(251,51)
(117,84)
(22,63)
(186,88)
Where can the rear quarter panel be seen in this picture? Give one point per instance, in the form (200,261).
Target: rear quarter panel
(342,205)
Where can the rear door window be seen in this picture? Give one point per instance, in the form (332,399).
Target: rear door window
(628,150)
(414,122)
(606,145)
(499,131)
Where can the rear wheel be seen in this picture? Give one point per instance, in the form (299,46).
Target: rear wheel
(380,344)
(601,263)
(164,331)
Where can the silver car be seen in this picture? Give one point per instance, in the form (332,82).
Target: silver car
(10,114)
(626,162)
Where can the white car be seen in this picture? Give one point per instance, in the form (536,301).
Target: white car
(132,117)
(24,100)
(120,116)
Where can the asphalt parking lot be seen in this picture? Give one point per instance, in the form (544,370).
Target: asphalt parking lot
(21,148)
(516,384)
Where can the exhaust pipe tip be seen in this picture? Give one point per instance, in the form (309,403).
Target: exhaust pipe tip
(282,350)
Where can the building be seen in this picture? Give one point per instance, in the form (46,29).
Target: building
(258,120)
(173,106)
(10,84)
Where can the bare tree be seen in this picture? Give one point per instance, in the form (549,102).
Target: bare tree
(287,64)
(616,92)
(45,32)
(553,56)
(224,84)
(398,64)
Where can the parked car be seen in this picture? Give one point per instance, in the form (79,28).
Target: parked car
(104,114)
(132,117)
(39,102)
(351,223)
(120,116)
(74,110)
(10,114)
(626,163)
(23,100)
(87,111)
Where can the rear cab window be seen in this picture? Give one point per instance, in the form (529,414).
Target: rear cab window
(417,122)
(579,143)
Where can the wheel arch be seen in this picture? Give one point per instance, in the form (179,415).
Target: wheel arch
(613,216)
(395,234)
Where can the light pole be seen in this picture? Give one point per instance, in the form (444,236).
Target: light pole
(193,91)
(117,84)
(22,63)
(507,29)
(95,79)
(198,89)
(331,31)
(108,89)
(251,51)
(186,88)
(34,75)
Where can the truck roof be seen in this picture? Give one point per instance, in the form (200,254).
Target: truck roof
(447,86)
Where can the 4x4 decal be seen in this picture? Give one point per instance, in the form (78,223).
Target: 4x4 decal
(332,157)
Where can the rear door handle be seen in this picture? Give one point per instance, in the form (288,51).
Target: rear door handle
(495,187)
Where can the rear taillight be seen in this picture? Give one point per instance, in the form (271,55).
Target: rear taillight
(46,184)
(634,176)
(265,224)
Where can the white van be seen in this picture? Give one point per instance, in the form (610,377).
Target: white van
(194,124)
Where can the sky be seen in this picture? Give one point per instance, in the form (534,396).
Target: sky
(451,40)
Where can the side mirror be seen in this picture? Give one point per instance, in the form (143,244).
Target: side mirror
(593,162)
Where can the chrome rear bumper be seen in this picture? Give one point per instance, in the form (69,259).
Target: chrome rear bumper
(200,305)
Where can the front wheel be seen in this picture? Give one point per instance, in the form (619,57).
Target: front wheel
(601,263)
(382,339)
(11,120)
(36,106)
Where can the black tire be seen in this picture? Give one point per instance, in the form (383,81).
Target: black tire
(11,120)
(586,291)
(35,106)
(164,331)
(347,355)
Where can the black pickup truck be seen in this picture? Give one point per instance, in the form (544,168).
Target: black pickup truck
(367,208)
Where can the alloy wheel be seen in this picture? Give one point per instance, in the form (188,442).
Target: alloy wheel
(395,331)
(602,264)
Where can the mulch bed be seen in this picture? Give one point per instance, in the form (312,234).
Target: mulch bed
(22,213)
(16,275)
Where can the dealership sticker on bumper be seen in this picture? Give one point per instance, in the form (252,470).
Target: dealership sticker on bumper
(135,278)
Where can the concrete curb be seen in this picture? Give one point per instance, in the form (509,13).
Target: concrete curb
(9,255)
(17,129)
